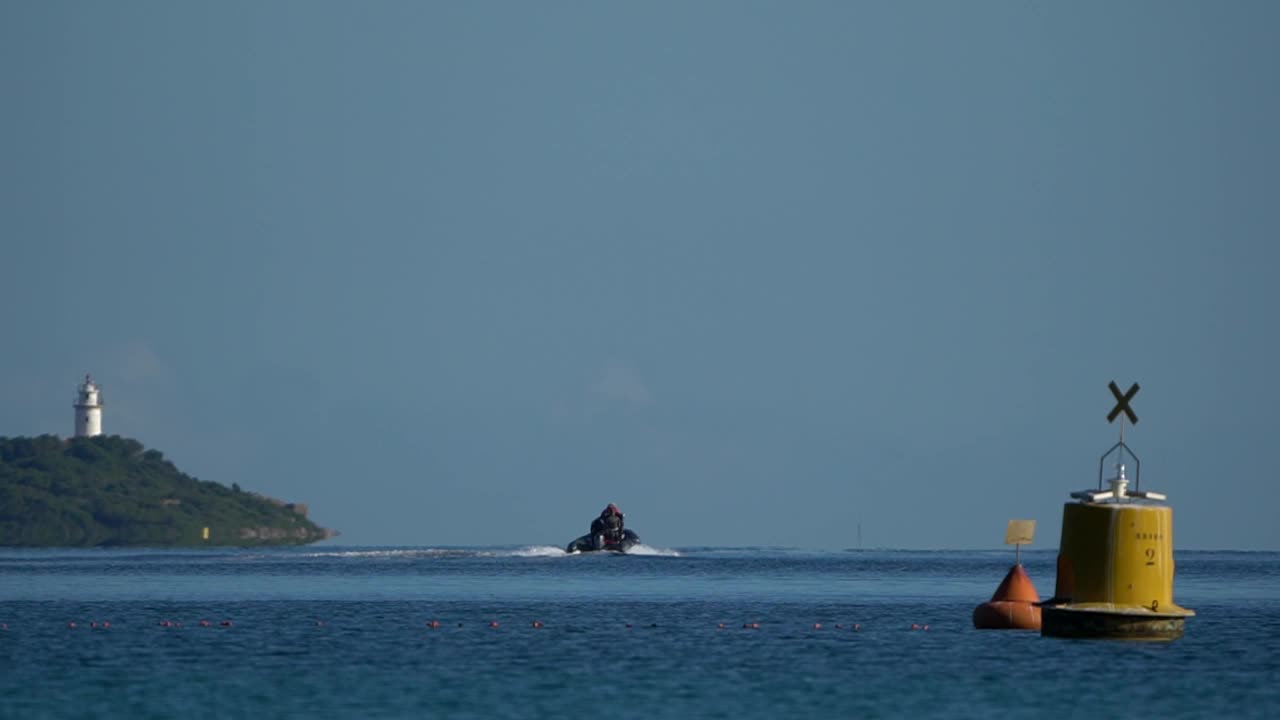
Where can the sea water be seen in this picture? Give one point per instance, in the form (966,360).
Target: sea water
(529,632)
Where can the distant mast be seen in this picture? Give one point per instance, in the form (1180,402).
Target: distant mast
(88,409)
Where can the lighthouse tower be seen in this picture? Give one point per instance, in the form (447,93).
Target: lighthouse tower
(88,409)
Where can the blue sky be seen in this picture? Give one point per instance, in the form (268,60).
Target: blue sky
(463,273)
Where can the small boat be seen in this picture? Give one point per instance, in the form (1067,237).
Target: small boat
(597,542)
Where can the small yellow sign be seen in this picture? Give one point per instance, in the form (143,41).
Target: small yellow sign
(206,533)
(1020,532)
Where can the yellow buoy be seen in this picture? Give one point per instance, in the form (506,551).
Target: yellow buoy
(205,534)
(1115,561)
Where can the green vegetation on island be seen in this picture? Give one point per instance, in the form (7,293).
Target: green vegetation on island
(111,491)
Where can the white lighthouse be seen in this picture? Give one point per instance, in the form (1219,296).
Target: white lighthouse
(88,409)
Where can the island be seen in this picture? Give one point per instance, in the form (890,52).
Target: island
(107,491)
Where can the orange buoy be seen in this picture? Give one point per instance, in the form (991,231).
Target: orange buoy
(1013,606)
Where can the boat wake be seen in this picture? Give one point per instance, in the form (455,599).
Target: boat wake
(534,551)
(637,549)
(643,549)
(390,553)
(427,553)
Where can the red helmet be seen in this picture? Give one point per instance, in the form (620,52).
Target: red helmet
(611,510)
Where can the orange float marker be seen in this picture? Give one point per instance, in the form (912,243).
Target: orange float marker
(1013,606)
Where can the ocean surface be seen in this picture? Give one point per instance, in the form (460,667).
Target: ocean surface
(528,632)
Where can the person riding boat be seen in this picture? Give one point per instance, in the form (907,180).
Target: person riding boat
(609,524)
(607,533)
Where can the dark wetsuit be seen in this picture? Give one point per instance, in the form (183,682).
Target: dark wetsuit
(608,525)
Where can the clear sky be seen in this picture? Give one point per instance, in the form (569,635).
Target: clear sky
(462,273)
